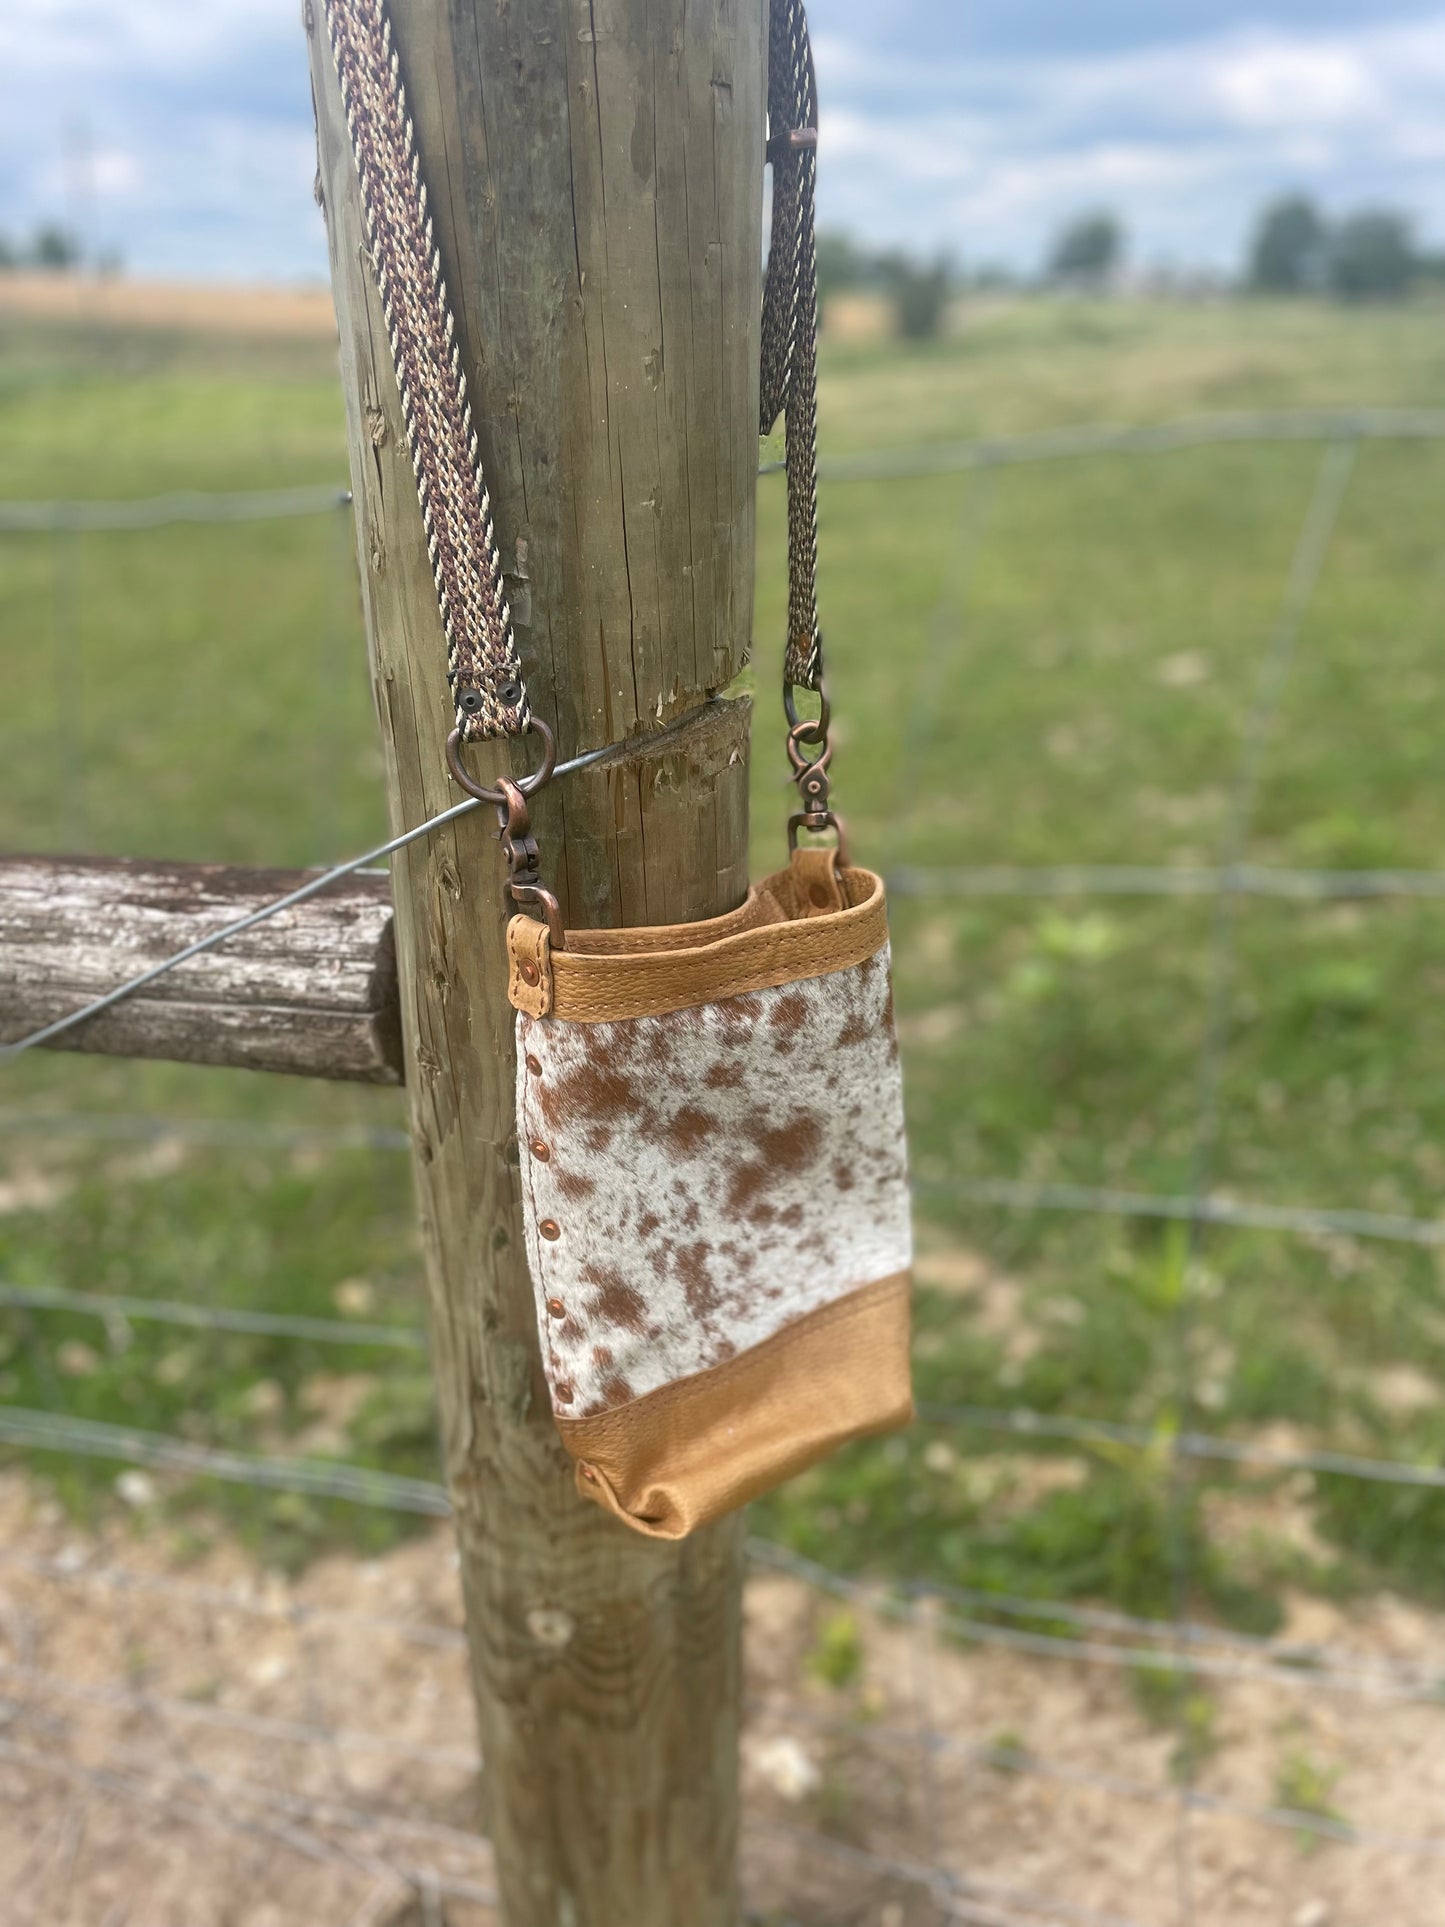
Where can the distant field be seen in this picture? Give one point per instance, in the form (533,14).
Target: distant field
(1048,665)
(114,302)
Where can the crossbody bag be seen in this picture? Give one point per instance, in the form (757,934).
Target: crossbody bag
(709,1115)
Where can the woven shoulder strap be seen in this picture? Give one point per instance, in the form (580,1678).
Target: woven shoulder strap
(789,383)
(482,664)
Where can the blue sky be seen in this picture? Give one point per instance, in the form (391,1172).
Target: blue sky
(179,131)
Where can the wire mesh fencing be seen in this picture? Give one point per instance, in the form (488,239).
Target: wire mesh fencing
(911,1744)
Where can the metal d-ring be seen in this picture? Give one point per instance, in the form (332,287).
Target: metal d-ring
(801,738)
(817,822)
(528,785)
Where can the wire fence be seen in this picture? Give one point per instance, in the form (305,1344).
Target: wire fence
(398,1856)
(215,507)
(913,462)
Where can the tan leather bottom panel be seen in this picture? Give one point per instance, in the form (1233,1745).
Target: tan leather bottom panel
(677,1457)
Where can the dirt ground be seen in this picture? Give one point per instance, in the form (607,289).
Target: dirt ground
(214,1746)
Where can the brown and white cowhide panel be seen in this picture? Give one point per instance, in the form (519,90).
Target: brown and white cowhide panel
(694,1181)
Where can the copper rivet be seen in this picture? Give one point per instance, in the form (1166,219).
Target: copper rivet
(562,1394)
(534,1065)
(550,1228)
(541,1149)
(818,893)
(530,973)
(556,1307)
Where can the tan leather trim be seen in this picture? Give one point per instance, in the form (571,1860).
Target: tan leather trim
(768,940)
(529,966)
(815,882)
(757,907)
(677,1457)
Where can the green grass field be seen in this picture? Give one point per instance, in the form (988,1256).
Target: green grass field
(1051,665)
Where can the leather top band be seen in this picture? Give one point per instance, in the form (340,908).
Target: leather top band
(778,934)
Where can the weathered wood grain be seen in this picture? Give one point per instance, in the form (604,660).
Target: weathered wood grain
(312,991)
(595,169)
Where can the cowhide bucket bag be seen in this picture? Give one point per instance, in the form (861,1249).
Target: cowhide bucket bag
(715,1192)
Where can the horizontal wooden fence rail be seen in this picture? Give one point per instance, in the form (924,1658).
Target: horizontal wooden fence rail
(312,992)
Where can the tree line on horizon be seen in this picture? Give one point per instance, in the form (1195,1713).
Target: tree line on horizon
(1294,249)
(51,248)
(1368,255)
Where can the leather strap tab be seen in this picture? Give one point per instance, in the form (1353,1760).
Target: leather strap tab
(529,971)
(818,888)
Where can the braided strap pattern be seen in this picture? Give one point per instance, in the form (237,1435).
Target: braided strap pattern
(482,663)
(790,324)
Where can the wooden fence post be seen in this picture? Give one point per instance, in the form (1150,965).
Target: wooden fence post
(595,169)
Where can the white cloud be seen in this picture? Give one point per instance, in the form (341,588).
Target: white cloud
(1272,84)
(1013,146)
(175,131)
(116,174)
(197,116)
(163,36)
